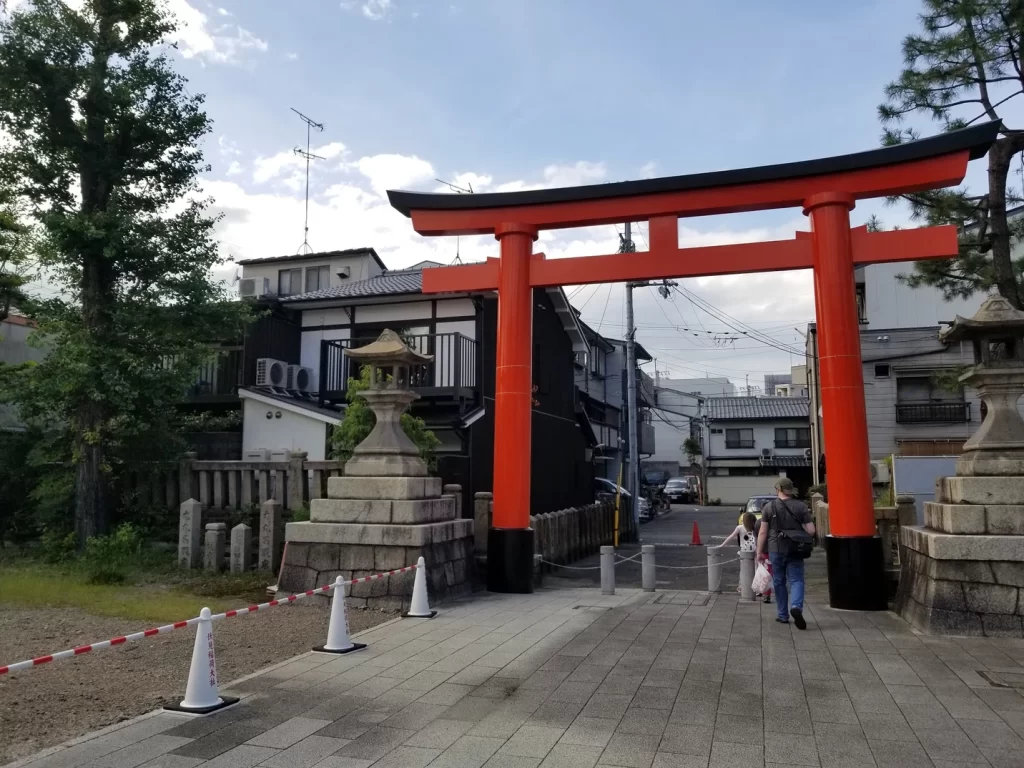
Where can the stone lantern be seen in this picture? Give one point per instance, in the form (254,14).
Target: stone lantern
(962,572)
(997,334)
(387,451)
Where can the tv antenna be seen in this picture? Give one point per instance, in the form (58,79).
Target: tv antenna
(459,191)
(311,125)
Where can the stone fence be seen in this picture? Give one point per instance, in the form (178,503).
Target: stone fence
(571,534)
(204,539)
(889,521)
(221,485)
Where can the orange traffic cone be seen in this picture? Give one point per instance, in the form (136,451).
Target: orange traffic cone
(695,542)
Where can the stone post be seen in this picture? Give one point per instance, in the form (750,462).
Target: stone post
(187,488)
(270,536)
(453,489)
(241,548)
(297,480)
(482,518)
(190,534)
(216,541)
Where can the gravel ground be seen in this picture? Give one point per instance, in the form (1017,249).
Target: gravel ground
(48,705)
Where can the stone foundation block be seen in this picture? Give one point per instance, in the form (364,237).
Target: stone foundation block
(982,490)
(349,511)
(389,559)
(323,557)
(990,598)
(943,546)
(356,558)
(979,464)
(423,510)
(954,518)
(1002,626)
(383,488)
(1008,573)
(1005,519)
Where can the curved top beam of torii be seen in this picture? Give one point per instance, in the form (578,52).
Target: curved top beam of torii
(932,163)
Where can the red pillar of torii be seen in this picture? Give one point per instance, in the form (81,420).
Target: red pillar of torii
(826,190)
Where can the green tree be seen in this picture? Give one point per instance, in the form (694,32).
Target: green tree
(359,421)
(965,66)
(104,152)
(15,248)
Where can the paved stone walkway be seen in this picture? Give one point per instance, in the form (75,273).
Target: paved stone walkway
(571,679)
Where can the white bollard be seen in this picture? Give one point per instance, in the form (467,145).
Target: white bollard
(338,640)
(419,607)
(607,570)
(201,695)
(714,569)
(747,575)
(647,567)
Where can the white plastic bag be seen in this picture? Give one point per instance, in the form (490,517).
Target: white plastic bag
(762,579)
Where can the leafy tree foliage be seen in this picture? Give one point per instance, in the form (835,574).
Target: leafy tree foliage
(104,153)
(359,421)
(966,66)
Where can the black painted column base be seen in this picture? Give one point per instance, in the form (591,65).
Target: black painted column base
(856,573)
(510,560)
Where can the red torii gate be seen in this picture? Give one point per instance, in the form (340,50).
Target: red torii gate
(825,189)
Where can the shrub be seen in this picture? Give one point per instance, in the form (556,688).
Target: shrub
(58,546)
(109,559)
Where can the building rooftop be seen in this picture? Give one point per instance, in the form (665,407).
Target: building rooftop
(390,283)
(318,256)
(748,408)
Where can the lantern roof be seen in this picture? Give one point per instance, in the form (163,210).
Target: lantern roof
(995,316)
(388,349)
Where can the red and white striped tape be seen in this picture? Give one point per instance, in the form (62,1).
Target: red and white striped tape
(71,652)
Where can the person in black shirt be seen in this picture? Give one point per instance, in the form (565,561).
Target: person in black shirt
(784,513)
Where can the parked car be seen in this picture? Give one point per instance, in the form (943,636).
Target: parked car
(754,504)
(657,478)
(678,491)
(646,510)
(602,485)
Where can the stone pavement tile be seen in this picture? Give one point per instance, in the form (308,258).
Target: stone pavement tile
(1002,699)
(555,714)
(1002,758)
(589,673)
(647,721)
(738,730)
(544,681)
(561,663)
(839,741)
(948,744)
(927,716)
(243,756)
(886,727)
(375,743)
(472,675)
(289,732)
(472,709)
(571,756)
(532,741)
(725,755)
(391,702)
(746,705)
(197,727)
(440,734)
(900,754)
(992,735)
(837,710)
(693,713)
(497,688)
(306,753)
(446,694)
(512,761)
(589,732)
(789,720)
(213,744)
(375,686)
(687,739)
(425,681)
(673,760)
(1015,720)
(893,669)
(408,757)
(607,705)
(173,761)
(664,678)
(966,707)
(704,671)
(654,697)
(789,749)
(617,683)
(700,690)
(631,750)
(572,691)
(138,753)
(468,752)
(784,697)
(404,670)
(501,723)
(336,708)
(354,724)
(415,716)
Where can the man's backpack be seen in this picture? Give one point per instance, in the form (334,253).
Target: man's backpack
(792,542)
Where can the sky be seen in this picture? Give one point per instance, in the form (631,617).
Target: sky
(513,94)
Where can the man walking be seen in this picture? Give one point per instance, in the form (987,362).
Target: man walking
(785,514)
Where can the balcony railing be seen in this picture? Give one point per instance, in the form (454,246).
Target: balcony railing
(220,376)
(452,373)
(792,443)
(739,443)
(933,413)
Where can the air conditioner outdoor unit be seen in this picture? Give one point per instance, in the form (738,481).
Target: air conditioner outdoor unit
(282,455)
(271,373)
(879,472)
(251,287)
(807,453)
(300,378)
(766,452)
(256,454)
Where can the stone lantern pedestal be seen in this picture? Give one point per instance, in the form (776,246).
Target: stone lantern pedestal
(962,572)
(385,512)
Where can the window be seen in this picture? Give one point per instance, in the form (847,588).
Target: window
(923,400)
(289,282)
(792,437)
(882,371)
(739,438)
(716,431)
(596,361)
(317,278)
(862,312)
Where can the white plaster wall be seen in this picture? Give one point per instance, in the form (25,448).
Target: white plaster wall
(891,304)
(361,267)
(456,308)
(383,313)
(310,355)
(293,431)
(319,317)
(735,490)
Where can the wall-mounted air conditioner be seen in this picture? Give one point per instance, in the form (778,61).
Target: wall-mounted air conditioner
(807,453)
(766,452)
(879,472)
(282,455)
(252,287)
(256,454)
(271,373)
(300,378)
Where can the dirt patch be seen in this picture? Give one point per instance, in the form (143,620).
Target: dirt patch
(48,705)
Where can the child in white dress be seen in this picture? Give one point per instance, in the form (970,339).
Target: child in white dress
(746,536)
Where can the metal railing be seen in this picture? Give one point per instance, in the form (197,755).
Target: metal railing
(933,413)
(219,376)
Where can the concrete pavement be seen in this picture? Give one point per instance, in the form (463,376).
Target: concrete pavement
(566,678)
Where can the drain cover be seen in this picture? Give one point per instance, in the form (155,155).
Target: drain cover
(1004,679)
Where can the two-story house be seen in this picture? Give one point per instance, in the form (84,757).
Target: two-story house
(676,416)
(750,441)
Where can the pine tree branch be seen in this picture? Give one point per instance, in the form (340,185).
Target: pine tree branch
(982,85)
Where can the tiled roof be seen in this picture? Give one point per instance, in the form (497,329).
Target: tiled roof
(785,461)
(399,281)
(720,408)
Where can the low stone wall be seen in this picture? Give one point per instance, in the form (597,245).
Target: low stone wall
(571,534)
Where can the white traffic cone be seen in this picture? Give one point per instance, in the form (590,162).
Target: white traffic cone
(338,640)
(419,608)
(201,696)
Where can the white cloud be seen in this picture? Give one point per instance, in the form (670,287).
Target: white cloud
(648,170)
(574,175)
(291,56)
(235,168)
(197,38)
(289,167)
(394,171)
(375,10)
